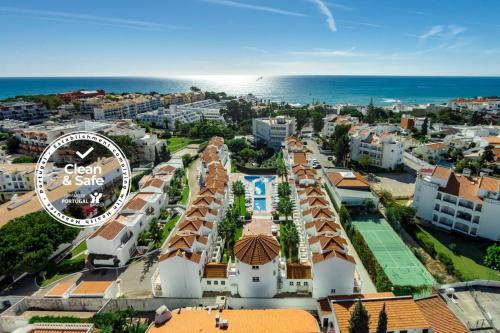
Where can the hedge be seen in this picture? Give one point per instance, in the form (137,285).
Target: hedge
(56,319)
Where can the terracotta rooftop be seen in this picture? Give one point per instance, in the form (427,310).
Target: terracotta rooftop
(109,230)
(185,242)
(319,212)
(192,256)
(194,225)
(240,321)
(256,249)
(322,256)
(402,313)
(489,184)
(298,271)
(336,243)
(215,270)
(92,288)
(341,180)
(439,316)
(441,172)
(299,158)
(323,225)
(315,201)
(436,146)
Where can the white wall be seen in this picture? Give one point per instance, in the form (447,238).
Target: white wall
(333,276)
(180,278)
(268,279)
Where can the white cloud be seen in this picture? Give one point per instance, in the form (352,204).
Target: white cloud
(435,30)
(273,10)
(256,49)
(330,53)
(328,14)
(90,19)
(455,29)
(339,6)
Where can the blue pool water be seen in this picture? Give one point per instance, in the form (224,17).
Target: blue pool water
(259,204)
(260,188)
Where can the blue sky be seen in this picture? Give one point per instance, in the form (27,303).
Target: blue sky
(258,37)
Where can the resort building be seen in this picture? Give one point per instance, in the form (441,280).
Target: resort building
(349,188)
(114,243)
(237,321)
(257,265)
(32,113)
(321,246)
(115,107)
(459,202)
(272,132)
(403,313)
(333,120)
(384,149)
(432,151)
(71,96)
(182,98)
(475,104)
(17,179)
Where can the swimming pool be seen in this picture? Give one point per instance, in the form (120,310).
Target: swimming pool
(260,188)
(259,204)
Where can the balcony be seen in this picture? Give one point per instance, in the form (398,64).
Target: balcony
(450,200)
(464,216)
(466,204)
(448,211)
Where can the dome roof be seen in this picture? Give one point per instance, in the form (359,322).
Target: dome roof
(256,249)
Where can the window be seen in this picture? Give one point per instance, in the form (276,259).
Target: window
(403,331)
(209,282)
(306,283)
(255,279)
(216,283)
(223,283)
(298,283)
(291,283)
(332,291)
(425,330)
(255,267)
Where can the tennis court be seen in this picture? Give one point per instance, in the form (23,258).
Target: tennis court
(397,260)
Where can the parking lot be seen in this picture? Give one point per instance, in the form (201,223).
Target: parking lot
(400,185)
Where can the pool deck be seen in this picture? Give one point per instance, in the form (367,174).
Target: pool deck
(262,220)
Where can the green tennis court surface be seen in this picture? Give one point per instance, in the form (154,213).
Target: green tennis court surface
(397,260)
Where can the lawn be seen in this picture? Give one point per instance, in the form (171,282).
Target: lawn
(185,190)
(241,201)
(79,249)
(169,227)
(468,255)
(62,269)
(176,143)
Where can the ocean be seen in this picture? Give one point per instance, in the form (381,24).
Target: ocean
(384,90)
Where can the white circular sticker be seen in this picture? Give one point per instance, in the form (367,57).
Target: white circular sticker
(82,179)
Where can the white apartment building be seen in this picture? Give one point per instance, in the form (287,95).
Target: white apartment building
(186,113)
(16,179)
(33,113)
(333,120)
(118,107)
(182,98)
(114,243)
(384,149)
(475,104)
(470,205)
(273,131)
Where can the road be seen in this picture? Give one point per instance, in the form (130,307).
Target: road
(367,285)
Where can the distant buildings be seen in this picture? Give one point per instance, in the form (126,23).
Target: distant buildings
(272,132)
(467,204)
(480,104)
(333,120)
(71,96)
(114,107)
(184,114)
(16,179)
(384,149)
(182,98)
(33,113)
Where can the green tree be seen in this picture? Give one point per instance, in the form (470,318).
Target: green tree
(238,191)
(371,113)
(157,157)
(344,216)
(237,145)
(360,319)
(194,89)
(364,161)
(339,143)
(488,155)
(143,238)
(425,126)
(248,154)
(227,229)
(290,239)
(12,145)
(382,321)
(155,232)
(284,190)
(164,153)
(492,258)
(23,159)
(285,207)
(186,159)
(301,118)
(317,121)
(281,169)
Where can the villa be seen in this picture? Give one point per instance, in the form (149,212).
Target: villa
(350,188)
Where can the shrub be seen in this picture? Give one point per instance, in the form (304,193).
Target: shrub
(427,244)
(447,262)
(55,319)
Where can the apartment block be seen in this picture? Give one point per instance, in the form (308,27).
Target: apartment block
(459,202)
(384,149)
(272,132)
(333,120)
(114,107)
(33,113)
(16,179)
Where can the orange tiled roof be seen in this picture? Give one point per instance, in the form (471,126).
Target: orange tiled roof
(109,230)
(341,182)
(299,158)
(191,256)
(439,316)
(436,146)
(402,313)
(489,184)
(215,270)
(441,172)
(256,249)
(240,321)
(317,212)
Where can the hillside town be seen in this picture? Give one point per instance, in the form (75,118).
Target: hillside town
(248,215)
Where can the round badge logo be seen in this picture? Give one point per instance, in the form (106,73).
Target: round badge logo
(82,179)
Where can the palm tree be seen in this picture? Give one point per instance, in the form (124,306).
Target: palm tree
(284,190)
(285,207)
(281,169)
(238,191)
(227,228)
(290,239)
